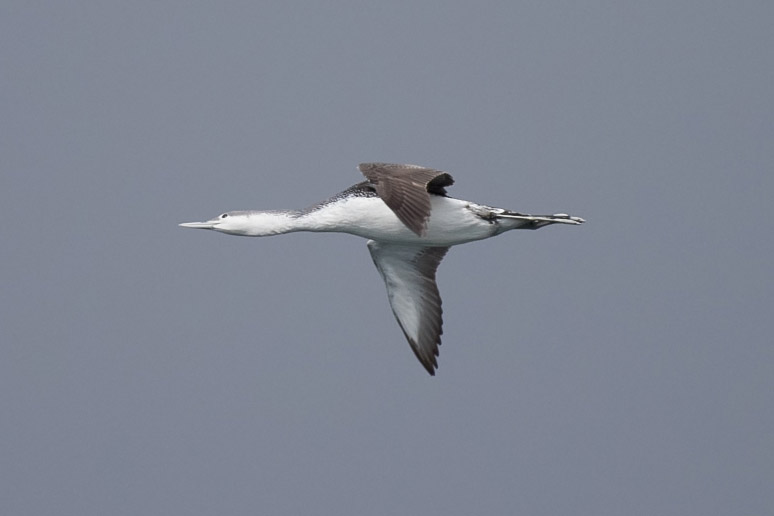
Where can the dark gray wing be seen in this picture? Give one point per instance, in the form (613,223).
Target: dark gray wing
(409,275)
(406,190)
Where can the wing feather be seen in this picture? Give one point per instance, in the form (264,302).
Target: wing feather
(406,190)
(409,275)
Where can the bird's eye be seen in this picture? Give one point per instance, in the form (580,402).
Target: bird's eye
(224,216)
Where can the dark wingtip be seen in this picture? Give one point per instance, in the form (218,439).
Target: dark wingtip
(430,364)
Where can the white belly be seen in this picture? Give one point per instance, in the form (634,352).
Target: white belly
(451,222)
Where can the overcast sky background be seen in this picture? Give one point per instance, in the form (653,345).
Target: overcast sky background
(621,367)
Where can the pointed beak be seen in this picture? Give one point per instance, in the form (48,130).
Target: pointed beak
(201,225)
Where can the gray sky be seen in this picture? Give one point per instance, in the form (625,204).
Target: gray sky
(621,367)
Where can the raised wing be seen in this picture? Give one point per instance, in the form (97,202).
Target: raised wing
(409,274)
(406,190)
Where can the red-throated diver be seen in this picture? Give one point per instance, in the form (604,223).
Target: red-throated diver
(410,222)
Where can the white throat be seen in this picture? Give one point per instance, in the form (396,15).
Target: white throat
(258,223)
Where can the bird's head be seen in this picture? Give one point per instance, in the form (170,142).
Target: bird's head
(232,222)
(248,223)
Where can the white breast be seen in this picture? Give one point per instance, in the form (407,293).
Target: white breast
(451,222)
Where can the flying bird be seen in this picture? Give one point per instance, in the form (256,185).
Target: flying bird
(410,222)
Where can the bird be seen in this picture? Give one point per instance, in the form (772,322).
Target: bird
(410,223)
